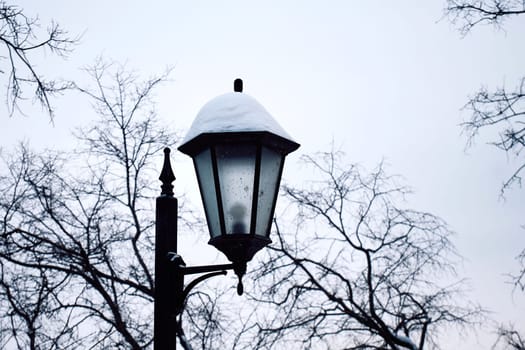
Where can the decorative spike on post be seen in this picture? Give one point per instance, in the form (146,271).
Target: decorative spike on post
(237,85)
(166,175)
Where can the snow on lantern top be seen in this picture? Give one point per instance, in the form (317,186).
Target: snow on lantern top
(234,113)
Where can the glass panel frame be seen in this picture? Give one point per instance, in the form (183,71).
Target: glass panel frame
(271,165)
(207,179)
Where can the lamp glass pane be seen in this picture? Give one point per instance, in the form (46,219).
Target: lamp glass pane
(236,165)
(204,169)
(268,189)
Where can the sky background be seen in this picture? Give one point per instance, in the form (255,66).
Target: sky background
(379,80)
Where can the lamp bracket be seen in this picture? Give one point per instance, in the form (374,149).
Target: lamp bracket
(209,271)
(196,281)
(181,270)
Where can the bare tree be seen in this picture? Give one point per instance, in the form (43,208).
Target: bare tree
(509,339)
(520,277)
(20,37)
(205,320)
(469,13)
(355,269)
(500,111)
(76,241)
(504,112)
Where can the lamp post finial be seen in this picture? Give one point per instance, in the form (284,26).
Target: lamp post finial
(166,175)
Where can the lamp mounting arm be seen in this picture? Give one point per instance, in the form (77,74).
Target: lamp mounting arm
(181,270)
(198,280)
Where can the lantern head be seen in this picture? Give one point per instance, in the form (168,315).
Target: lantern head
(238,151)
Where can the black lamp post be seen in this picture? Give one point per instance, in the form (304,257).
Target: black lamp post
(238,151)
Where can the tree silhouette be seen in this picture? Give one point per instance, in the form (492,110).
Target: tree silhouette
(77,242)
(499,110)
(352,268)
(468,14)
(20,37)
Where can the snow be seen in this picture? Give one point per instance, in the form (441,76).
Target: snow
(406,340)
(233,112)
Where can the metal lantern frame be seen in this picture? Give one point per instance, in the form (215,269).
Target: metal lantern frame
(239,247)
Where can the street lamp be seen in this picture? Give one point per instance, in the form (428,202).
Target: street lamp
(238,151)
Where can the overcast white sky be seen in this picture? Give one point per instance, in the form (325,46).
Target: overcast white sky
(382,79)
